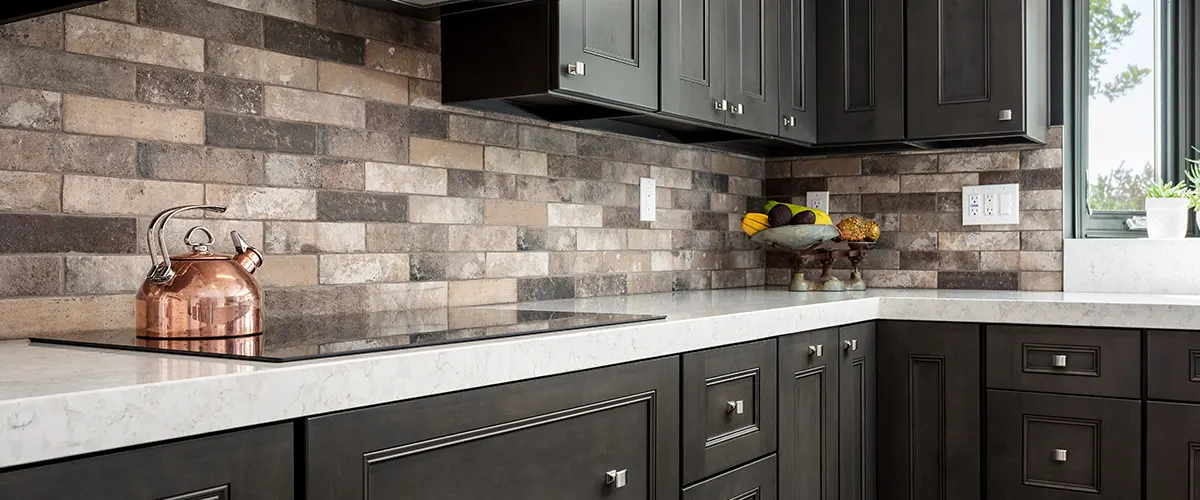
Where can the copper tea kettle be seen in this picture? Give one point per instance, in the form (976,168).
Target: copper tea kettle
(198,294)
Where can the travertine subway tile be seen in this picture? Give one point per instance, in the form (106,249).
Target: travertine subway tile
(26,108)
(247,202)
(340,269)
(96,37)
(405,179)
(260,65)
(304,106)
(89,115)
(30,192)
(439,210)
(109,196)
(314,237)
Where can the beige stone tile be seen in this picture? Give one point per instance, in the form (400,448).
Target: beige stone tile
(28,275)
(826,167)
(515,213)
(314,172)
(390,238)
(746,187)
(1042,240)
(482,292)
(619,261)
(288,270)
(517,264)
(912,240)
(482,238)
(999,261)
(403,61)
(43,31)
(261,66)
(600,239)
(979,162)
(314,237)
(444,266)
(668,177)
(1041,261)
(1040,281)
(393,178)
(568,215)
(514,161)
(442,210)
(30,192)
(85,35)
(24,317)
(637,283)
(435,153)
(649,239)
(979,241)
(247,202)
(27,108)
(341,269)
(864,184)
(102,274)
(937,183)
(304,11)
(362,144)
(1041,220)
(89,115)
(672,219)
(889,278)
(362,82)
(305,106)
(721,202)
(111,196)
(1042,200)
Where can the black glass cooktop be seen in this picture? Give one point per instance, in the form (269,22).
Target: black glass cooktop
(310,337)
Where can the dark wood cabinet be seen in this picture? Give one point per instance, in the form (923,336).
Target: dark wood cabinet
(1173,365)
(1088,361)
(610,433)
(609,50)
(808,415)
(856,412)
(729,407)
(1055,447)
(252,464)
(798,70)
(720,62)
(977,69)
(929,413)
(1172,451)
(753,481)
(860,71)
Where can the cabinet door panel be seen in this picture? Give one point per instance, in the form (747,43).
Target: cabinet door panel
(556,437)
(1172,451)
(856,395)
(797,70)
(751,69)
(860,71)
(808,415)
(1173,365)
(965,66)
(693,69)
(930,400)
(617,40)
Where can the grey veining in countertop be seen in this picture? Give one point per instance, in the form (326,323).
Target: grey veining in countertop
(62,401)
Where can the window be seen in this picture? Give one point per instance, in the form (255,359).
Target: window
(1125,122)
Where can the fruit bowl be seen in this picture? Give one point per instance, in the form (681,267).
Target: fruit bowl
(817,243)
(801,237)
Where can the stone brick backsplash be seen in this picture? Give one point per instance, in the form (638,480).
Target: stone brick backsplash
(917,200)
(318,123)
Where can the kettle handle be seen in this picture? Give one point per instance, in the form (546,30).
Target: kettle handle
(161,272)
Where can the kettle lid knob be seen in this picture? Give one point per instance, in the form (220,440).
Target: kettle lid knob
(197,245)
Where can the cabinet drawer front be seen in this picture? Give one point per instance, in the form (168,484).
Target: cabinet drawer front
(1064,360)
(1051,447)
(755,481)
(1173,365)
(729,407)
(1172,451)
(610,433)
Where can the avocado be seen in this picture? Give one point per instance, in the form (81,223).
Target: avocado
(779,216)
(805,217)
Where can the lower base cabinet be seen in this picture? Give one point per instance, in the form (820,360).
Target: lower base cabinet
(753,481)
(1172,451)
(610,433)
(251,464)
(1055,447)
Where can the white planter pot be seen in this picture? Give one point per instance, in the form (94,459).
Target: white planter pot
(1166,217)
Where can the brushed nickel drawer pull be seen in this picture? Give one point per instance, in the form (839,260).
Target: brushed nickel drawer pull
(1060,455)
(1059,360)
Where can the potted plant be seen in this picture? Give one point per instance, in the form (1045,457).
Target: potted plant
(1167,209)
(1193,176)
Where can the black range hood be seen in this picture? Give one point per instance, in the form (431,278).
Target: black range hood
(11,12)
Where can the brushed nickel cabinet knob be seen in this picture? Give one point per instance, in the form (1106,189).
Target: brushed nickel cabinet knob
(578,69)
(1005,115)
(616,478)
(850,345)
(815,350)
(735,407)
(1060,455)
(1059,360)
(789,121)
(721,105)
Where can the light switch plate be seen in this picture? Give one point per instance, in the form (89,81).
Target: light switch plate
(649,199)
(818,200)
(991,204)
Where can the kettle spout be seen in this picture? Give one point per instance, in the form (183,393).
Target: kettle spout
(247,256)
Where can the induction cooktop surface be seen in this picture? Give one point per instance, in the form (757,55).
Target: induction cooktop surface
(310,337)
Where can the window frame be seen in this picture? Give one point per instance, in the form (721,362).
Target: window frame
(1178,120)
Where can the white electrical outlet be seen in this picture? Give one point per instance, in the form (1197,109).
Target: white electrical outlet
(649,199)
(818,200)
(991,204)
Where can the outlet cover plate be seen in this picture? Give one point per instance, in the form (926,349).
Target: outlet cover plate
(992,204)
(649,199)
(818,200)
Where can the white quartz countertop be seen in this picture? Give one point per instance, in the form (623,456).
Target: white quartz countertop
(60,401)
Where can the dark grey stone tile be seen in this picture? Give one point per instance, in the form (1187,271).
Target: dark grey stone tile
(184,162)
(314,172)
(193,90)
(25,233)
(545,288)
(31,275)
(600,285)
(1050,178)
(686,199)
(362,144)
(530,239)
(42,31)
(346,17)
(903,202)
(1038,159)
(306,41)
(445,266)
(933,260)
(713,221)
(364,207)
(968,280)
(39,68)
(1001,177)
(755,204)
(549,140)
(707,181)
(899,164)
(575,167)
(691,280)
(394,118)
(52,152)
(795,186)
(477,130)
(407,237)
(545,189)
(624,217)
(949,202)
(621,149)
(602,193)
(480,184)
(697,240)
(250,132)
(203,19)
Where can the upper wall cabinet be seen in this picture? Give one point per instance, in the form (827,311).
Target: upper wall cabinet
(798,70)
(860,71)
(558,60)
(720,62)
(977,69)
